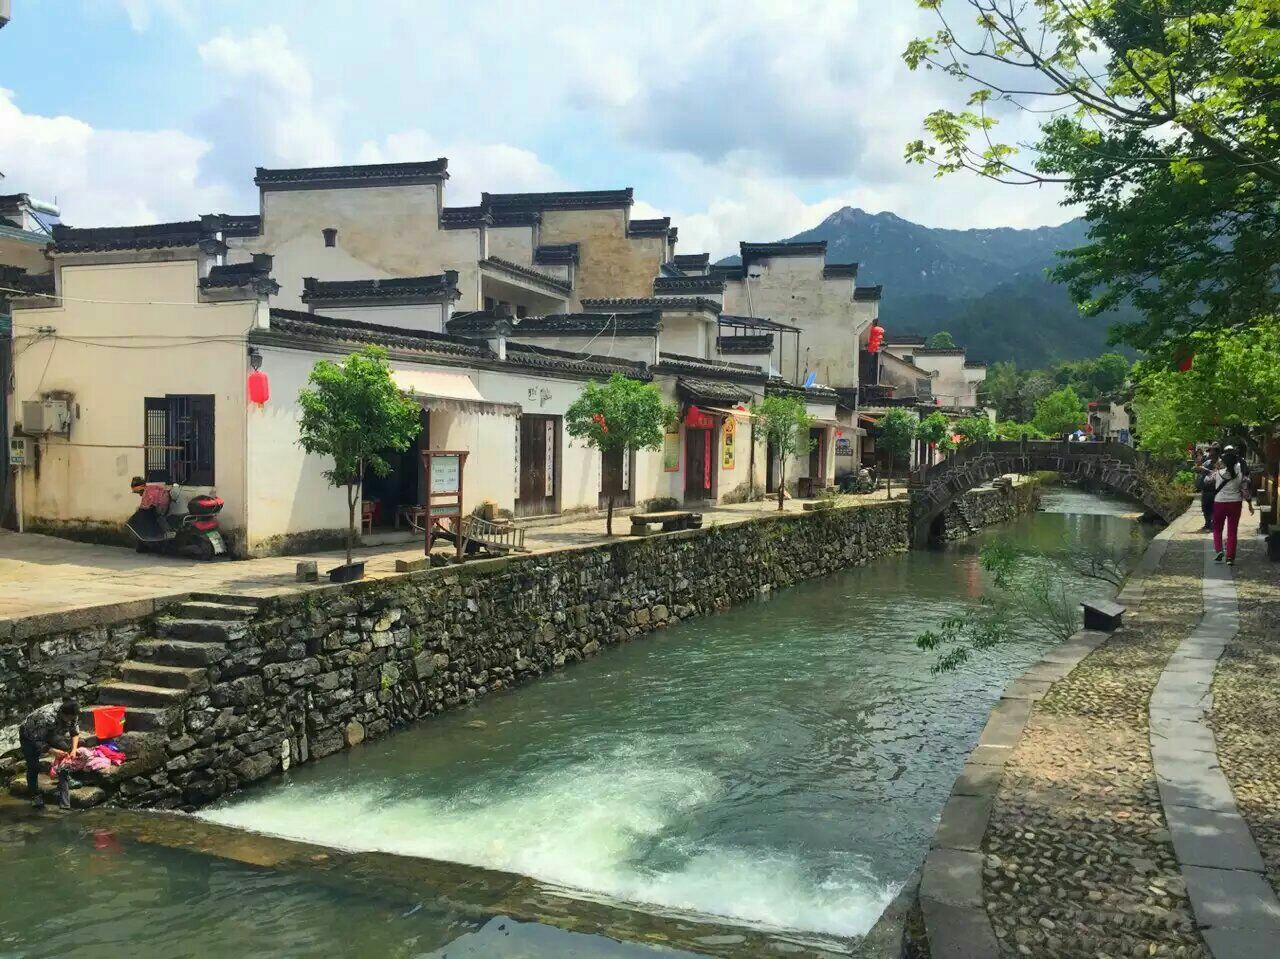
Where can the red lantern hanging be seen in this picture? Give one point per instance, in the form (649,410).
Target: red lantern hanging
(259,387)
(1184,364)
(875,339)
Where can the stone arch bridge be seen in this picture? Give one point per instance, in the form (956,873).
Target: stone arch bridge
(1114,466)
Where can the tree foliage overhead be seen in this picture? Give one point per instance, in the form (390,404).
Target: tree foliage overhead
(942,340)
(1062,411)
(354,414)
(1160,117)
(1013,393)
(784,424)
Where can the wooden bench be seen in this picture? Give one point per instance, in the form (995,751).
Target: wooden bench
(1102,614)
(670,520)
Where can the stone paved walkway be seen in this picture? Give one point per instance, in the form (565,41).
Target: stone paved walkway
(43,575)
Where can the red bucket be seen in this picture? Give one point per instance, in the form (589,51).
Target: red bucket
(108,722)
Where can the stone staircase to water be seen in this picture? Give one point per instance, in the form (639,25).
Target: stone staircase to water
(164,671)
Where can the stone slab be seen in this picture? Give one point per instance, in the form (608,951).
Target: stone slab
(1203,837)
(1004,725)
(1228,942)
(1030,689)
(1183,732)
(957,932)
(952,876)
(1199,785)
(978,779)
(1232,897)
(963,822)
(990,755)
(1049,672)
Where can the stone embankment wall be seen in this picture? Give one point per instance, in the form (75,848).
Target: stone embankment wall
(987,506)
(316,671)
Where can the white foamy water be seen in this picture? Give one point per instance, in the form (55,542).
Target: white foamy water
(612,827)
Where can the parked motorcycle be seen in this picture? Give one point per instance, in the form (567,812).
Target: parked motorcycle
(863,481)
(157,527)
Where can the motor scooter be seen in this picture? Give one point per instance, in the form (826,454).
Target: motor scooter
(157,527)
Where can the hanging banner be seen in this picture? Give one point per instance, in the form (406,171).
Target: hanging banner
(551,458)
(730,435)
(671,450)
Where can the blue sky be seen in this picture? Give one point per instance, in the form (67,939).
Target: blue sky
(740,120)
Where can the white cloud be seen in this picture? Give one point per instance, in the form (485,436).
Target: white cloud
(473,167)
(104,177)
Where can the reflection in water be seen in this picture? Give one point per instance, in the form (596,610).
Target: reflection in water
(781,764)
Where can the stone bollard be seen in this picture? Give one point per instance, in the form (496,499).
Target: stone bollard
(307,572)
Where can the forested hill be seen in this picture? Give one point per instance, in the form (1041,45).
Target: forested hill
(987,287)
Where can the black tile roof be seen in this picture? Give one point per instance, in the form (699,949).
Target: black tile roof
(531,276)
(904,339)
(155,236)
(255,273)
(554,254)
(478,323)
(437,286)
(698,390)
(664,303)
(580,364)
(591,324)
(974,365)
(231,224)
(727,271)
(867,293)
(329,328)
(761,251)
(838,271)
(16,278)
(515,217)
(669,269)
(688,284)
(719,369)
(658,227)
(754,343)
(464,217)
(692,261)
(337,177)
(757,323)
(926,351)
(570,200)
(777,386)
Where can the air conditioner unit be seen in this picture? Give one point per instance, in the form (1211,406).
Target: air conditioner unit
(19,451)
(46,416)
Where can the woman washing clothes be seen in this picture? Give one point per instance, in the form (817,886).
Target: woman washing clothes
(55,728)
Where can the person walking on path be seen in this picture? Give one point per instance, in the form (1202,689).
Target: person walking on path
(1204,477)
(1228,485)
(55,728)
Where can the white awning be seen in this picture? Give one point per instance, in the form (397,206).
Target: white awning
(450,390)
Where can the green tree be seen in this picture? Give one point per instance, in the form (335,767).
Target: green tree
(942,340)
(1108,374)
(353,413)
(1013,430)
(1159,117)
(973,429)
(1060,412)
(1035,387)
(897,430)
(621,414)
(783,422)
(1233,385)
(1001,390)
(935,429)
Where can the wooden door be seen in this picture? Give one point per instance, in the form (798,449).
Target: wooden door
(615,477)
(699,464)
(817,459)
(771,469)
(539,455)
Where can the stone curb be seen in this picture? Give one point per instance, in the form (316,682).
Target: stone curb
(1234,904)
(950,896)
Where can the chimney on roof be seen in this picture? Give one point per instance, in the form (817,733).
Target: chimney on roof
(262,264)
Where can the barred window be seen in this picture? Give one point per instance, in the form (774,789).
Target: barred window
(178,439)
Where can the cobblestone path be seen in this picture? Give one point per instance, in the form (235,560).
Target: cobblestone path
(1078,861)
(1246,703)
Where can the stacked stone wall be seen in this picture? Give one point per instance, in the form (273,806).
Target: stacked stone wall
(320,670)
(988,506)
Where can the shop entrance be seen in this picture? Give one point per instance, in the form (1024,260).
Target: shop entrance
(539,463)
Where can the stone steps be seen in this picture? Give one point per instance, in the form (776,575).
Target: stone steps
(178,652)
(84,797)
(190,678)
(229,599)
(197,630)
(209,609)
(137,718)
(122,693)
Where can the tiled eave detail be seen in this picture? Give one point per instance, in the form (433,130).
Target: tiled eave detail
(904,340)
(754,344)
(314,326)
(464,218)
(556,254)
(667,304)
(232,225)
(436,288)
(246,276)
(688,284)
(562,361)
(974,365)
(764,251)
(925,351)
(840,271)
(591,324)
(682,365)
(728,271)
(346,177)
(757,323)
(815,394)
(37,285)
(567,200)
(194,235)
(526,275)
(699,390)
(693,261)
(867,294)
(658,227)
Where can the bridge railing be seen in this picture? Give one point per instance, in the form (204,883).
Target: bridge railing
(1041,450)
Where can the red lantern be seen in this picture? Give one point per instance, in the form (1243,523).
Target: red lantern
(1184,365)
(875,339)
(259,387)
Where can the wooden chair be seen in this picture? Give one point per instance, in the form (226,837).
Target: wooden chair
(368,508)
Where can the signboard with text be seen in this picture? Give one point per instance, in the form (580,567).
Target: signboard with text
(446,474)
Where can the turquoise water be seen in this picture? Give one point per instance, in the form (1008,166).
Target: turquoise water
(778,767)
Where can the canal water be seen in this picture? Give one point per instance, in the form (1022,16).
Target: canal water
(776,769)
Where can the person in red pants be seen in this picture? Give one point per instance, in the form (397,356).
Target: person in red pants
(1228,498)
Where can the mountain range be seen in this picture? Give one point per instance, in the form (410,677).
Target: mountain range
(988,287)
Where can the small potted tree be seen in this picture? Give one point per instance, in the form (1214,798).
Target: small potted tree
(897,430)
(354,413)
(620,414)
(785,424)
